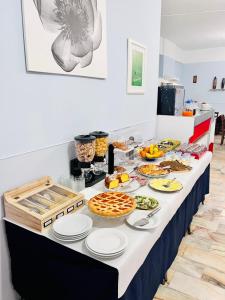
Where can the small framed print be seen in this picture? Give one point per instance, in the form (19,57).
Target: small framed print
(136,74)
(195,79)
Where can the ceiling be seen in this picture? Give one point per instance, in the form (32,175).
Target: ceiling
(194,24)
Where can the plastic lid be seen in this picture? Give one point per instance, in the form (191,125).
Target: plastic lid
(99,134)
(85,138)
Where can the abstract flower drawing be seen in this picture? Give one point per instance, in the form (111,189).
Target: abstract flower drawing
(66,37)
(78,28)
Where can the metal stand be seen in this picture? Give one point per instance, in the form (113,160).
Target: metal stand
(165,279)
(189,230)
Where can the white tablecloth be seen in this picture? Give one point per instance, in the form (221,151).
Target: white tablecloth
(140,242)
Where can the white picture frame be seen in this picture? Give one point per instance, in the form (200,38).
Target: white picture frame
(137,64)
(57,44)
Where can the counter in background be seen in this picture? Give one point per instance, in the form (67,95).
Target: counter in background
(197,129)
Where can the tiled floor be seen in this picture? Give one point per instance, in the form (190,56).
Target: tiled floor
(198,272)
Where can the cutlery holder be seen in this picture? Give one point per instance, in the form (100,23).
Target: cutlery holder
(39,203)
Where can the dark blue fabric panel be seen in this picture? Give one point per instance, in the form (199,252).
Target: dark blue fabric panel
(65,274)
(162,255)
(45,270)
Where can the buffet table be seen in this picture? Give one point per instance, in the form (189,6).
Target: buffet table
(43,268)
(199,128)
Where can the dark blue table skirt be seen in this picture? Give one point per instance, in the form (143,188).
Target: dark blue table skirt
(45,270)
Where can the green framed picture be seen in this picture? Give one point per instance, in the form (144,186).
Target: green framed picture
(136,68)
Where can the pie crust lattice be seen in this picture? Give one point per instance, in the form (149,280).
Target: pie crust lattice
(112,204)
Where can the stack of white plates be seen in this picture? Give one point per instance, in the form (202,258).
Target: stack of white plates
(71,228)
(106,243)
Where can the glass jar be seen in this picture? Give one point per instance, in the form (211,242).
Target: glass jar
(78,183)
(85,148)
(101,143)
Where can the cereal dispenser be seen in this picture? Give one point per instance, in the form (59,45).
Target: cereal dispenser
(85,146)
(101,145)
(85,149)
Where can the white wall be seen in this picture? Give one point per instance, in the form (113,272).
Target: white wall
(205,63)
(39,111)
(201,91)
(170,49)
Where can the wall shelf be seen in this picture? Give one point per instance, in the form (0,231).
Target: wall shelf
(217,90)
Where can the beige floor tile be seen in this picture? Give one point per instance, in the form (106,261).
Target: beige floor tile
(203,222)
(214,277)
(196,288)
(187,267)
(198,271)
(205,257)
(165,293)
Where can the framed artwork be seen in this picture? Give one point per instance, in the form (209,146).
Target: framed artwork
(195,79)
(66,37)
(136,74)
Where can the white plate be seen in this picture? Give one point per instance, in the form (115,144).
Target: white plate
(70,240)
(104,255)
(66,236)
(154,176)
(154,221)
(126,187)
(71,225)
(63,237)
(107,241)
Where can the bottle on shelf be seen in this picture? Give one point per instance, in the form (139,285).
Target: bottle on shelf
(223,84)
(214,83)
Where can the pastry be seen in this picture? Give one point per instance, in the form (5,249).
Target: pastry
(175,166)
(124,177)
(119,169)
(120,145)
(111,182)
(112,204)
(152,170)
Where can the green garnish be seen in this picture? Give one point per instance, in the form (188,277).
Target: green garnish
(144,202)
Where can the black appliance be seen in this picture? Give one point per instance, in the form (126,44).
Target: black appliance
(170,100)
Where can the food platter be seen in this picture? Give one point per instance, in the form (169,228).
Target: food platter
(146,203)
(112,204)
(175,166)
(160,185)
(150,153)
(152,171)
(126,187)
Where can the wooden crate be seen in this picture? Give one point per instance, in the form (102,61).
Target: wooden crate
(39,203)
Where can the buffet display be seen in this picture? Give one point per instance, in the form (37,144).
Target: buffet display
(39,203)
(195,150)
(43,202)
